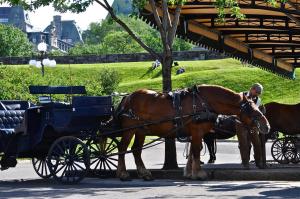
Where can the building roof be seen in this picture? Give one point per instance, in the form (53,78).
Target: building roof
(269,37)
(69,31)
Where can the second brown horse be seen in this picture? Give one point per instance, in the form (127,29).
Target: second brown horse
(145,106)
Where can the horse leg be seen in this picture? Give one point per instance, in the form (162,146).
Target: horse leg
(121,170)
(255,139)
(209,141)
(244,144)
(137,152)
(196,146)
(188,167)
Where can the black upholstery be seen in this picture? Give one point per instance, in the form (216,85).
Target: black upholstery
(15,104)
(10,119)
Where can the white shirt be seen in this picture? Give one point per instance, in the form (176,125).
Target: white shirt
(258,101)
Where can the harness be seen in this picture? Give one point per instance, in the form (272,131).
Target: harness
(201,112)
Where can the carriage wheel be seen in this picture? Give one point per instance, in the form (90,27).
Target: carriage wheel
(41,167)
(291,152)
(278,150)
(68,160)
(102,156)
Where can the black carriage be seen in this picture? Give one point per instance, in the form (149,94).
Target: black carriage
(286,149)
(64,140)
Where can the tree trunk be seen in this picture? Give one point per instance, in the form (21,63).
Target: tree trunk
(170,145)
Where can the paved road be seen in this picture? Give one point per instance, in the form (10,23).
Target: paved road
(22,182)
(114,189)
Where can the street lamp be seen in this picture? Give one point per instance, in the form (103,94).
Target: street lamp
(42,48)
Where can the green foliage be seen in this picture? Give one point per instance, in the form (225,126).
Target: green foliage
(120,42)
(86,49)
(13,42)
(56,53)
(109,80)
(111,38)
(14,80)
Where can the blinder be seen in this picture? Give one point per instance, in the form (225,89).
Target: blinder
(247,109)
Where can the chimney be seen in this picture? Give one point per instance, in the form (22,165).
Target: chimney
(58,25)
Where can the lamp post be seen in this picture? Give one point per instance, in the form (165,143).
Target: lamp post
(42,48)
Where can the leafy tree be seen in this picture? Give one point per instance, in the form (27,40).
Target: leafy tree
(86,49)
(13,42)
(98,33)
(120,42)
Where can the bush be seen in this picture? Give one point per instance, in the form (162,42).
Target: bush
(109,80)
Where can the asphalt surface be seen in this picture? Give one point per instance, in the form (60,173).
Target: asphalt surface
(114,189)
(22,182)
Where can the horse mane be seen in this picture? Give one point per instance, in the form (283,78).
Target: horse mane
(221,91)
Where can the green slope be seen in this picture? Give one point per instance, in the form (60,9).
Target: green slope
(230,73)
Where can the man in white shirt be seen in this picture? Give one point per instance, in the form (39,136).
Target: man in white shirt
(254,93)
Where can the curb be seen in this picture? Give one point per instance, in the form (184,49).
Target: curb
(226,174)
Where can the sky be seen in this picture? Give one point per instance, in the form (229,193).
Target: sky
(42,17)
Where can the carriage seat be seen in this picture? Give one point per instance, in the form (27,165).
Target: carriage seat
(9,120)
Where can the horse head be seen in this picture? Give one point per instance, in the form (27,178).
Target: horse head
(252,117)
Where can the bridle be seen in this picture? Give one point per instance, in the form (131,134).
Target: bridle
(246,108)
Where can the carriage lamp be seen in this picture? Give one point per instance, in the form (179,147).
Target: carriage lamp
(42,48)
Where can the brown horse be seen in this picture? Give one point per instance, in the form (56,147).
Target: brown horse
(146,105)
(283,118)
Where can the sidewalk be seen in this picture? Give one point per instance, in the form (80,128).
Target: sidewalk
(227,166)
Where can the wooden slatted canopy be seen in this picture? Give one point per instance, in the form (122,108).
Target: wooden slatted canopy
(269,37)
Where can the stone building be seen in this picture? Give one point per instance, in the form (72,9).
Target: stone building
(15,16)
(59,34)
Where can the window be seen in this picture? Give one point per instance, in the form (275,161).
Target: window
(3,20)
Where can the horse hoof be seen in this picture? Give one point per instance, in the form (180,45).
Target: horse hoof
(145,174)
(187,173)
(246,166)
(261,165)
(148,178)
(124,176)
(211,161)
(201,175)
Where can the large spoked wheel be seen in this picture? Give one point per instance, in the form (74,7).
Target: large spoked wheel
(103,158)
(278,151)
(68,160)
(291,153)
(41,167)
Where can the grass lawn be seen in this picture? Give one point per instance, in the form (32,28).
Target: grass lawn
(227,72)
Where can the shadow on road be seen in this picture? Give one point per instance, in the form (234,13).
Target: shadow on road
(100,187)
(281,192)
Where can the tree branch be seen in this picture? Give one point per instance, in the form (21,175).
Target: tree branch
(156,15)
(166,16)
(102,4)
(127,29)
(175,23)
